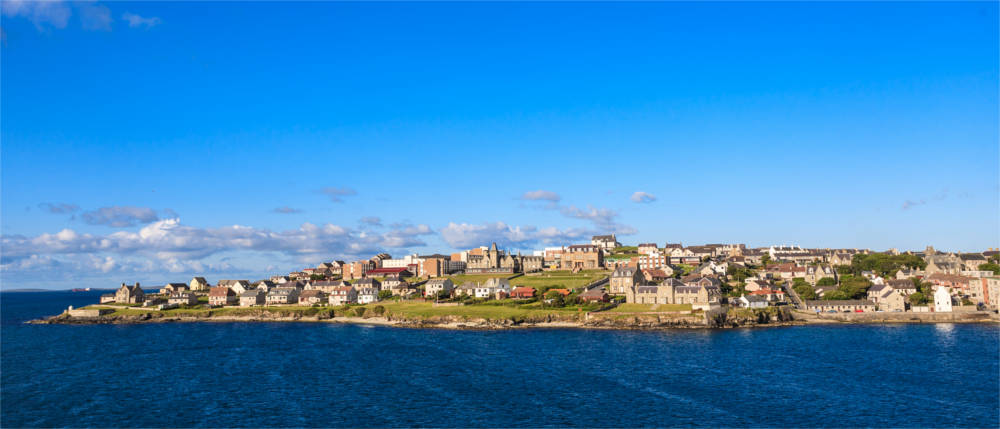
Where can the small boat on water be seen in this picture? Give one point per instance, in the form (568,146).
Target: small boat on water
(81,290)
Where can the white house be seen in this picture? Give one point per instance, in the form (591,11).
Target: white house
(367,295)
(492,287)
(942,300)
(433,286)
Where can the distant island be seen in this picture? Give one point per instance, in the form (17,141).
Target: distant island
(602,284)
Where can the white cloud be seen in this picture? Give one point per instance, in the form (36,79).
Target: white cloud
(41,13)
(169,246)
(466,235)
(642,197)
(336,194)
(120,216)
(541,195)
(94,16)
(137,21)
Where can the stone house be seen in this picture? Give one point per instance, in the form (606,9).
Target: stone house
(703,291)
(328,286)
(624,278)
(130,294)
(433,286)
(199,284)
(266,285)
(815,272)
(891,300)
(107,298)
(972,261)
(582,257)
(662,293)
(903,286)
(654,276)
(220,295)
(252,297)
(183,298)
(172,288)
(394,283)
(841,259)
(368,283)
(238,286)
(606,243)
(467,288)
(312,297)
(648,249)
(282,295)
(343,295)
(596,294)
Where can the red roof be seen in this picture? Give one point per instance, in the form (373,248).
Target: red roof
(523,291)
(564,292)
(766,292)
(220,291)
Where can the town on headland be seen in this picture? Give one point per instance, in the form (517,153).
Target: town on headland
(602,284)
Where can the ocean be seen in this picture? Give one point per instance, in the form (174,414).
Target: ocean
(332,375)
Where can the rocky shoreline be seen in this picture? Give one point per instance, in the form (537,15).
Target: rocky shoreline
(604,320)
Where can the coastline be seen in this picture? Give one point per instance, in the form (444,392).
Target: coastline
(626,321)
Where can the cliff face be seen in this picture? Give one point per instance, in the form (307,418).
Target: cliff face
(739,317)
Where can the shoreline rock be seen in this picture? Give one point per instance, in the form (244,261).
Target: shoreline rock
(734,318)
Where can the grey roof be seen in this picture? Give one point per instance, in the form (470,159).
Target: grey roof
(366,281)
(252,293)
(624,272)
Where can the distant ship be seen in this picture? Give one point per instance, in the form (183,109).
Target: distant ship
(80,290)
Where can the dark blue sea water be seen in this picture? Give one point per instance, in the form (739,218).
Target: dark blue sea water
(284,374)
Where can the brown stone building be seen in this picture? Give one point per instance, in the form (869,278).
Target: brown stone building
(582,256)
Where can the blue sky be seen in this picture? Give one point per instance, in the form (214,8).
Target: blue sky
(152,141)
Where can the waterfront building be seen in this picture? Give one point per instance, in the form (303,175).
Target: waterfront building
(130,294)
(252,297)
(220,295)
(942,299)
(199,284)
(434,286)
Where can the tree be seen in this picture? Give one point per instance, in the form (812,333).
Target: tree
(826,281)
(315,277)
(918,298)
(995,268)
(851,287)
(884,264)
(765,259)
(805,291)
(737,273)
(554,298)
(384,294)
